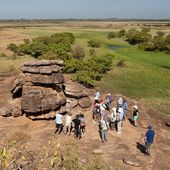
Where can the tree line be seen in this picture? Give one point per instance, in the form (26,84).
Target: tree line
(144,40)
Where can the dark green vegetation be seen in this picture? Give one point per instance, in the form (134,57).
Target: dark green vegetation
(144,39)
(59,46)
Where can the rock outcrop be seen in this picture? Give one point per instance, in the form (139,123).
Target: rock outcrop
(42,91)
(74,90)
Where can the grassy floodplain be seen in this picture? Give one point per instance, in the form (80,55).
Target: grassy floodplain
(146,75)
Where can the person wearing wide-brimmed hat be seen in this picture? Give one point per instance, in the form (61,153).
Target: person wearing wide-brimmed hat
(135,115)
(149,138)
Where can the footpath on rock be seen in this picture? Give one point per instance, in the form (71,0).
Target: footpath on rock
(31,89)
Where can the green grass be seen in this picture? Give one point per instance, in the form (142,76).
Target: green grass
(10,66)
(146,76)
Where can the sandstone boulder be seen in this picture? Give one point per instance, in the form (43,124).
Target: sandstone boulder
(71,103)
(74,90)
(16,88)
(42,69)
(16,111)
(41,79)
(36,99)
(50,115)
(38,63)
(85,102)
(6,111)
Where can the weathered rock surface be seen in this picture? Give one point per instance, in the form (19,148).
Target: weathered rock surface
(16,111)
(40,79)
(97,151)
(17,86)
(50,115)
(131,162)
(6,111)
(74,90)
(36,99)
(71,102)
(44,63)
(42,90)
(85,102)
(42,69)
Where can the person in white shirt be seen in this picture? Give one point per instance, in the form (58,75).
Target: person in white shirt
(68,123)
(97,96)
(59,122)
(119,120)
(113,118)
(104,126)
(119,102)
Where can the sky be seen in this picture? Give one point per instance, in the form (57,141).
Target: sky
(84,9)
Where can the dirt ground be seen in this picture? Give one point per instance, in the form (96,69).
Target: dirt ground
(117,148)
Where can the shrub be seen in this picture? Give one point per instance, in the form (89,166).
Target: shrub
(94,44)
(121,33)
(26,40)
(3,55)
(111,35)
(160,33)
(59,43)
(73,65)
(78,52)
(24,49)
(147,46)
(63,37)
(146,30)
(37,49)
(121,63)
(84,78)
(92,52)
(49,56)
(13,47)
(137,37)
(61,50)
(167,39)
(43,39)
(159,43)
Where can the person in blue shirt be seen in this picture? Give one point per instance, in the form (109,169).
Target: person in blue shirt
(149,138)
(125,107)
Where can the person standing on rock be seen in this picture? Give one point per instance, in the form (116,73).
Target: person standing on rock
(97,96)
(59,122)
(119,120)
(149,138)
(77,124)
(135,115)
(82,124)
(96,112)
(119,101)
(124,106)
(109,99)
(113,118)
(104,127)
(68,123)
